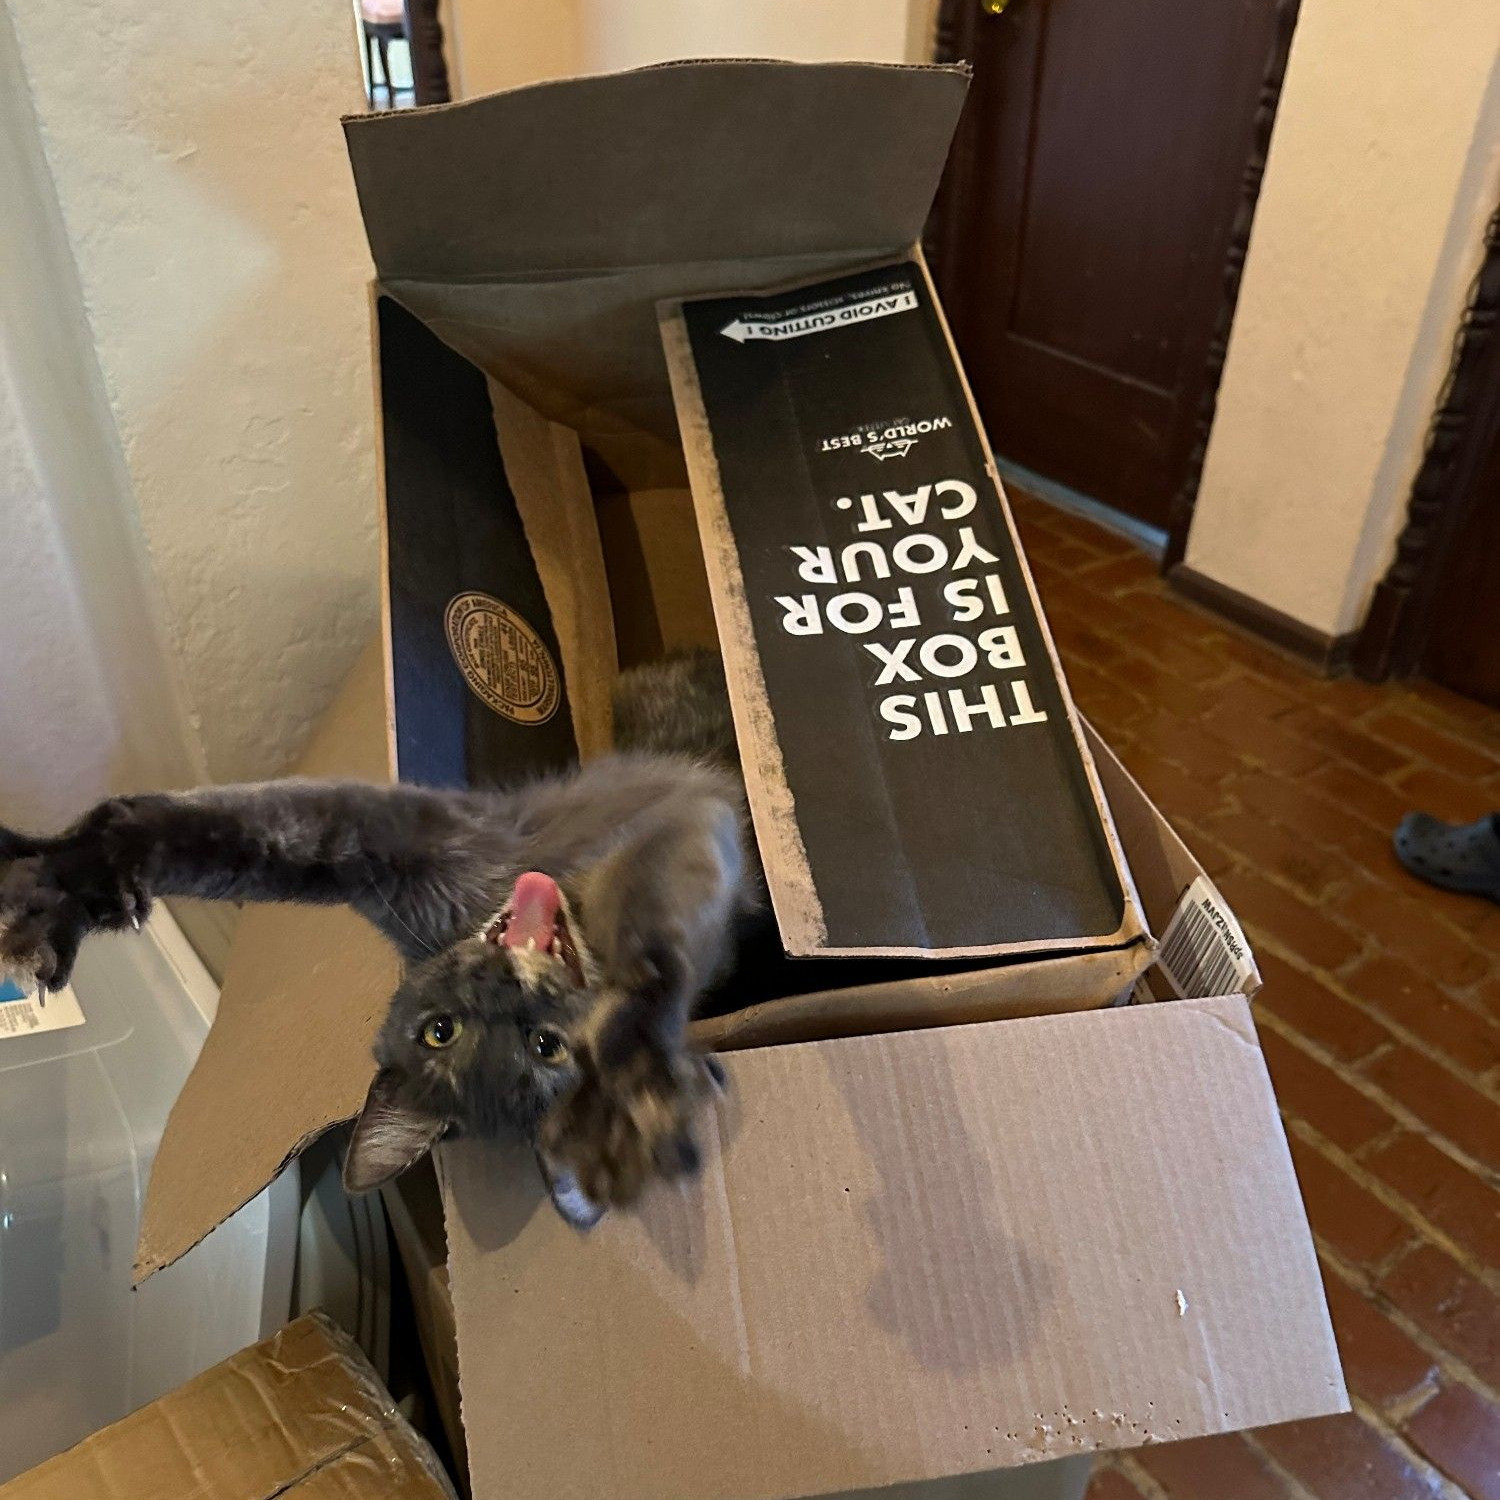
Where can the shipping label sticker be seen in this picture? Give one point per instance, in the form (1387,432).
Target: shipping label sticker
(22,1015)
(1203,951)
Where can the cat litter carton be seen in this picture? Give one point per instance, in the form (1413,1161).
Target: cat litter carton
(965,1219)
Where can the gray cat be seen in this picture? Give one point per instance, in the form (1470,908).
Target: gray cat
(558,934)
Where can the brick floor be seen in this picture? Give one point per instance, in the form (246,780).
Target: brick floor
(1380,1016)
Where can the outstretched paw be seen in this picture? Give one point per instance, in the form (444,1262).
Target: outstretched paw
(41,925)
(628,1122)
(54,892)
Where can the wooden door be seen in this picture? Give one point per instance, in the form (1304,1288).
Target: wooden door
(1462,648)
(1456,629)
(1090,228)
(1436,613)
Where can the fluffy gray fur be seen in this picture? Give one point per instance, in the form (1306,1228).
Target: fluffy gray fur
(587,1057)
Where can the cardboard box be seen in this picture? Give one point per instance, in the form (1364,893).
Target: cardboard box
(414,1205)
(948,1224)
(302,1415)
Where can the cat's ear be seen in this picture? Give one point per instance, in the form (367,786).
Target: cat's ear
(567,1197)
(389,1136)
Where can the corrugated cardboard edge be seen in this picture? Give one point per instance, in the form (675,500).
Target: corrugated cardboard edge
(275,1419)
(961,69)
(1133,924)
(1086,981)
(387,628)
(794,896)
(1160,861)
(544,466)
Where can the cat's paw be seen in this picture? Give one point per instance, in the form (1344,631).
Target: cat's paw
(41,925)
(626,1123)
(54,892)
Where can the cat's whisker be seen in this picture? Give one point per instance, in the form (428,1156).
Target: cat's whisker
(426,947)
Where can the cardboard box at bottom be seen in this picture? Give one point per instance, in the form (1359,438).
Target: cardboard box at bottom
(301,1416)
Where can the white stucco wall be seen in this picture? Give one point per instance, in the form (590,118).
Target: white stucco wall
(58,737)
(196,158)
(1384,166)
(88,700)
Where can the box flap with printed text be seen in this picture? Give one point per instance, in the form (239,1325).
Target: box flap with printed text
(919,781)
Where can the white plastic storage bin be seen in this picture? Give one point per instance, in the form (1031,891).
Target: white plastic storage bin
(81,1112)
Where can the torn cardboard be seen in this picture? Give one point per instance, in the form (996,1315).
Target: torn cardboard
(302,1415)
(1031,1178)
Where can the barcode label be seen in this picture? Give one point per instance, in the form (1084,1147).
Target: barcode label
(1203,952)
(20,1015)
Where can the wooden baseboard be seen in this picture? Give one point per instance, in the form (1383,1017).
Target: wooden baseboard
(1328,653)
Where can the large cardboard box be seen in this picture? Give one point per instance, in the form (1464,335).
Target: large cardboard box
(302,1415)
(951,1222)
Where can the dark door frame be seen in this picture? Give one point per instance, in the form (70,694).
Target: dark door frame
(955,42)
(1443,494)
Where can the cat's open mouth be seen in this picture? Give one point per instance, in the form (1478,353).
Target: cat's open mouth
(535,920)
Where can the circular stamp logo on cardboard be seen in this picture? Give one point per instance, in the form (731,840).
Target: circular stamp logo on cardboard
(505,662)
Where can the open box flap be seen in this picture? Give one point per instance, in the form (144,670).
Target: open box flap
(701,161)
(535,230)
(1085,1228)
(288,1054)
(860,847)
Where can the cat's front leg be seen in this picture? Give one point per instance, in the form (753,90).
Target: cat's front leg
(412,860)
(665,907)
(632,1115)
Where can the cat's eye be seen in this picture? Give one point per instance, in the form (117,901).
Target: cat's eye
(547,1046)
(442,1031)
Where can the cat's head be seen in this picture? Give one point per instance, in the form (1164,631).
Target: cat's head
(478,1041)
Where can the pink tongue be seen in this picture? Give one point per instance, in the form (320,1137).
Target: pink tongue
(533,912)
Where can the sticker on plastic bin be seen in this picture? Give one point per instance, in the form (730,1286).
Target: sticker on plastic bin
(20,1015)
(1203,952)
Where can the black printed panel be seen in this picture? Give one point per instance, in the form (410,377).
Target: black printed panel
(479,694)
(938,785)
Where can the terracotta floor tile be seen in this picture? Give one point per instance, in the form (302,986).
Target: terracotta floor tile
(1460,1432)
(1344,1215)
(1311,1092)
(1382,1363)
(1313,1010)
(1459,1201)
(1419,1003)
(1441,1100)
(1108,1483)
(1443,1299)
(1213,1466)
(1345,1458)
